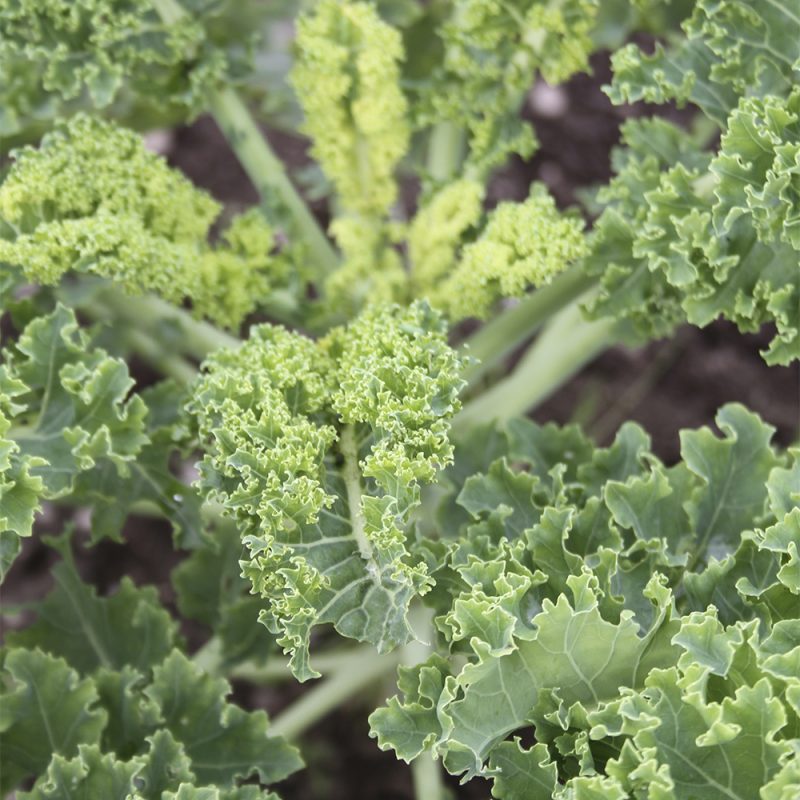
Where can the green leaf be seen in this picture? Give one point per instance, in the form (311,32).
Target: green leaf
(731,47)
(523,773)
(222,741)
(151,479)
(46,710)
(130,629)
(210,589)
(58,54)
(132,716)
(319,451)
(734,471)
(730,748)
(93,199)
(65,409)
(612,529)
(166,766)
(90,775)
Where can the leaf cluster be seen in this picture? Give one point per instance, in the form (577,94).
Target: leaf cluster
(638,619)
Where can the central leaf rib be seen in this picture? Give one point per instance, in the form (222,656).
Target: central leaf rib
(351,473)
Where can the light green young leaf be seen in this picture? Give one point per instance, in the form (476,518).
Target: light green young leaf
(523,245)
(319,451)
(347,78)
(93,199)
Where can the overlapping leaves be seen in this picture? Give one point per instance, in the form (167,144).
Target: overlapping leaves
(640,619)
(102,702)
(65,408)
(61,55)
(93,199)
(685,235)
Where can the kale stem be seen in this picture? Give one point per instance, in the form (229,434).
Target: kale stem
(561,350)
(264,168)
(495,340)
(359,671)
(427,776)
(426,773)
(268,174)
(277,668)
(149,314)
(445,150)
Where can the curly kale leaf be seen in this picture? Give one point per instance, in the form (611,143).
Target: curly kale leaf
(318,450)
(93,199)
(65,409)
(640,619)
(57,56)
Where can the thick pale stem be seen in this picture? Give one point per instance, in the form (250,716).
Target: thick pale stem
(564,347)
(264,168)
(498,338)
(268,174)
(445,150)
(277,670)
(352,677)
(351,473)
(197,339)
(426,772)
(427,776)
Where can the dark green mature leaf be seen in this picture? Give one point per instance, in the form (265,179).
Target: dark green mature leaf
(223,741)
(210,589)
(151,479)
(58,55)
(166,767)
(696,237)
(132,716)
(46,710)
(131,629)
(732,47)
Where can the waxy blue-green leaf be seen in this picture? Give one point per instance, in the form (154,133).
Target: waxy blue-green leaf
(91,774)
(130,629)
(567,590)
(46,709)
(223,741)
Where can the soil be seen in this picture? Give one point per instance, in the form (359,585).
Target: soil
(665,386)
